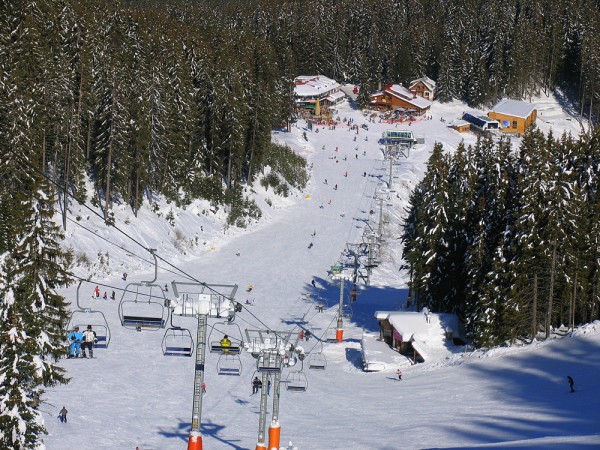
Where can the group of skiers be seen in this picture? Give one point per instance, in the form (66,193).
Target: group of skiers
(79,342)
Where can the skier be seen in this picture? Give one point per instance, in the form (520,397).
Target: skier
(204,388)
(301,334)
(571,383)
(307,335)
(256,384)
(399,373)
(335,188)
(89,339)
(97,291)
(310,245)
(124,276)
(313,283)
(249,288)
(105,296)
(225,344)
(75,337)
(62,415)
(113,296)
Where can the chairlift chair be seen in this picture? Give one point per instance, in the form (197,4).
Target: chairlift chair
(346,311)
(236,343)
(296,381)
(177,341)
(229,364)
(317,360)
(138,313)
(267,362)
(82,317)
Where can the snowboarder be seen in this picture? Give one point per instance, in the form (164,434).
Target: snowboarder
(256,385)
(307,335)
(249,288)
(75,337)
(124,276)
(89,339)
(310,245)
(113,296)
(105,296)
(313,283)
(62,415)
(325,181)
(571,383)
(399,373)
(335,188)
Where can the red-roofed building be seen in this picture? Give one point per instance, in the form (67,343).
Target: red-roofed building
(395,96)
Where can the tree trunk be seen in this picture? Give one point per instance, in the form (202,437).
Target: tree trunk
(66,175)
(534,312)
(107,193)
(551,293)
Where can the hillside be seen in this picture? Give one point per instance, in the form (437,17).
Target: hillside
(131,395)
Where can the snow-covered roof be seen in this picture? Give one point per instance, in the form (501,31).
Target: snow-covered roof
(404,94)
(335,96)
(313,86)
(413,325)
(425,80)
(459,123)
(515,108)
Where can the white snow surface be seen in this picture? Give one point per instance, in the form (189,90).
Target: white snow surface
(130,395)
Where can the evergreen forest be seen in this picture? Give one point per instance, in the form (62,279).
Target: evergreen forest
(508,241)
(124,101)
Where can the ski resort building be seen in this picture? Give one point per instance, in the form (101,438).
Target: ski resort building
(395,96)
(402,138)
(414,334)
(316,93)
(514,116)
(423,87)
(481,123)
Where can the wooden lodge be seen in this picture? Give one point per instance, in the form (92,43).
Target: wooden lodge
(423,87)
(514,116)
(395,96)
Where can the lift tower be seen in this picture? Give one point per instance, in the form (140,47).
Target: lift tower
(200,300)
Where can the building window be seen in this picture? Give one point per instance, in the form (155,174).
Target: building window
(514,124)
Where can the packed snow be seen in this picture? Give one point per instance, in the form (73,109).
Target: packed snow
(130,395)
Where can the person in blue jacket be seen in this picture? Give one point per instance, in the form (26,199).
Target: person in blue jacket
(75,337)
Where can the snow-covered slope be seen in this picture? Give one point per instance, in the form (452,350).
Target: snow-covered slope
(131,395)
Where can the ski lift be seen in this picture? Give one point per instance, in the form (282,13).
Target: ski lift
(229,364)
(296,381)
(141,314)
(236,344)
(82,317)
(177,341)
(317,360)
